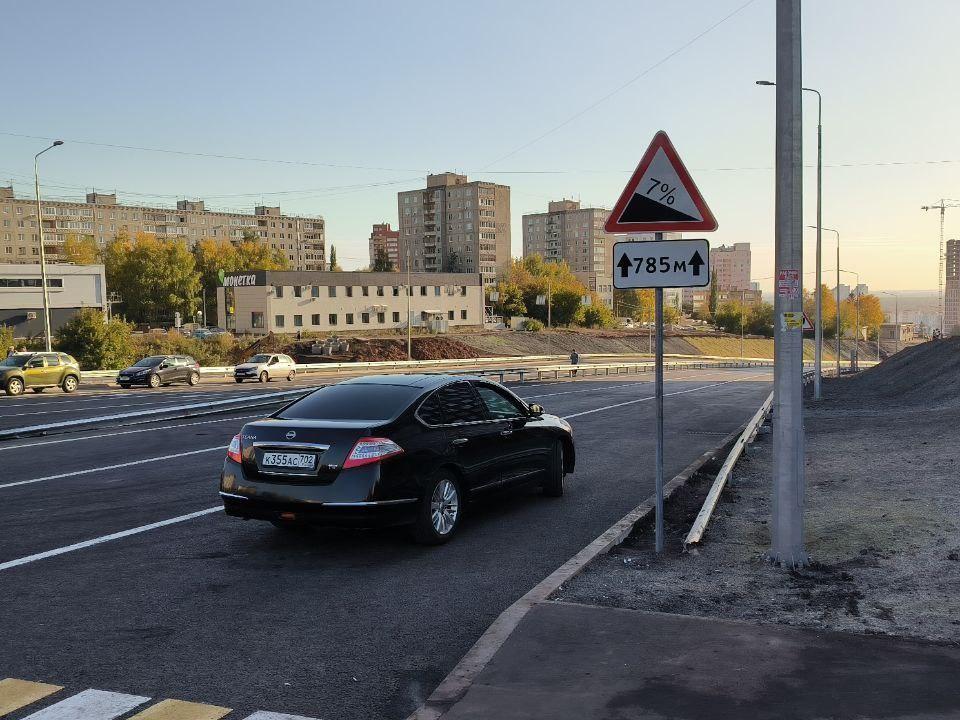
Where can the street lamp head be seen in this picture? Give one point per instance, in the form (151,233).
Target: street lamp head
(57,142)
(765,82)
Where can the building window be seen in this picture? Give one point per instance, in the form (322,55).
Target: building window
(380,291)
(298,320)
(256,320)
(463,290)
(396,317)
(366,291)
(279,290)
(315,292)
(423,290)
(463,314)
(278,321)
(449,314)
(315,319)
(396,291)
(349,318)
(298,291)
(332,291)
(381,317)
(332,318)
(365,318)
(436,291)
(349,290)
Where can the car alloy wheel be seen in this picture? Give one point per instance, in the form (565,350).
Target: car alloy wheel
(264,377)
(69,384)
(290,376)
(14,386)
(444,507)
(154,381)
(194,378)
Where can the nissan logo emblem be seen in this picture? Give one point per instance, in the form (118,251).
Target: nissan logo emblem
(291,435)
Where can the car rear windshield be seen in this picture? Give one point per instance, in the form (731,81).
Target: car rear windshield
(257,359)
(15,360)
(353,401)
(149,361)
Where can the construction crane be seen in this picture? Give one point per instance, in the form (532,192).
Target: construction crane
(942,207)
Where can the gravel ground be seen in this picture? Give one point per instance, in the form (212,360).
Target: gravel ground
(883,527)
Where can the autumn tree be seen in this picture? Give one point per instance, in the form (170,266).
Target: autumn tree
(154,278)
(714,294)
(382,261)
(828,307)
(639,305)
(80,250)
(869,317)
(96,343)
(334,265)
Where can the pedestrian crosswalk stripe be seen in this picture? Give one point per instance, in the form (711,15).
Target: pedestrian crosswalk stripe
(181,710)
(90,705)
(15,694)
(104,705)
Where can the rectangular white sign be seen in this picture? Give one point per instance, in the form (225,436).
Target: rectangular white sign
(661,263)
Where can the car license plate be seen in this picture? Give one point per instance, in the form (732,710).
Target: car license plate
(289,460)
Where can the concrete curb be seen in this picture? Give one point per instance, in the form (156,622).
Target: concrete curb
(456,684)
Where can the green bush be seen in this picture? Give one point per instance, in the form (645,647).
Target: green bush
(6,338)
(213,351)
(96,343)
(532,325)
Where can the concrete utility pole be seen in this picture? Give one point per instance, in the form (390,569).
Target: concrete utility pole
(43,250)
(409,318)
(787,535)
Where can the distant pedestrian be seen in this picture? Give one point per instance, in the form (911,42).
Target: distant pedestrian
(10,351)
(574,360)
(299,335)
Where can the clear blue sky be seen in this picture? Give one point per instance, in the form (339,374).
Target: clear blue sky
(401,89)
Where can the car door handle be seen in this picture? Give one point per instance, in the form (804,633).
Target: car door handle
(459,441)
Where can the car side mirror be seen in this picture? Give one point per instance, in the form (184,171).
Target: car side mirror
(535,409)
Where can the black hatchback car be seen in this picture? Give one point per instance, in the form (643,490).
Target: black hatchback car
(393,449)
(158,370)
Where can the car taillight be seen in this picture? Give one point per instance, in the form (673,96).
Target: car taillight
(370,450)
(233,452)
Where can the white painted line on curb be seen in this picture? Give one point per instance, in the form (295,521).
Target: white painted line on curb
(261,715)
(125,432)
(107,538)
(90,705)
(111,467)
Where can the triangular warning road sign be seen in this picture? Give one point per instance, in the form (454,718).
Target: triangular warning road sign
(660,196)
(807,325)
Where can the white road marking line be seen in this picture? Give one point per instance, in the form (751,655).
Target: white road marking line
(111,467)
(125,432)
(645,399)
(261,715)
(621,386)
(107,538)
(90,705)
(146,404)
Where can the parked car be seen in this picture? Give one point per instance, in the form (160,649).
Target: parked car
(265,367)
(38,371)
(393,449)
(158,370)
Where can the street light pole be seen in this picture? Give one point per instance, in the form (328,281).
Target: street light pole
(838,296)
(43,254)
(409,293)
(818,322)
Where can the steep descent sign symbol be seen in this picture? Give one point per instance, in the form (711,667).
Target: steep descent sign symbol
(660,196)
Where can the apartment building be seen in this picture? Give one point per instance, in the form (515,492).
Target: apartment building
(455,225)
(384,239)
(261,301)
(731,263)
(951,296)
(299,238)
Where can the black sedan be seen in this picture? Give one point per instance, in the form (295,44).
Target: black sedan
(393,449)
(158,370)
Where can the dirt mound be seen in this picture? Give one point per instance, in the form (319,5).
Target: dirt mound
(422,348)
(926,374)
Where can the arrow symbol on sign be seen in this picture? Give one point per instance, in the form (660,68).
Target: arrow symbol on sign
(696,262)
(625,265)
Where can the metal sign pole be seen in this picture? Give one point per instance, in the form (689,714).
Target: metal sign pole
(659,393)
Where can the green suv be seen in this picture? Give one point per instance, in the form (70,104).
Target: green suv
(38,371)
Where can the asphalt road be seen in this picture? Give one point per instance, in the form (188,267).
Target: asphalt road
(331,624)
